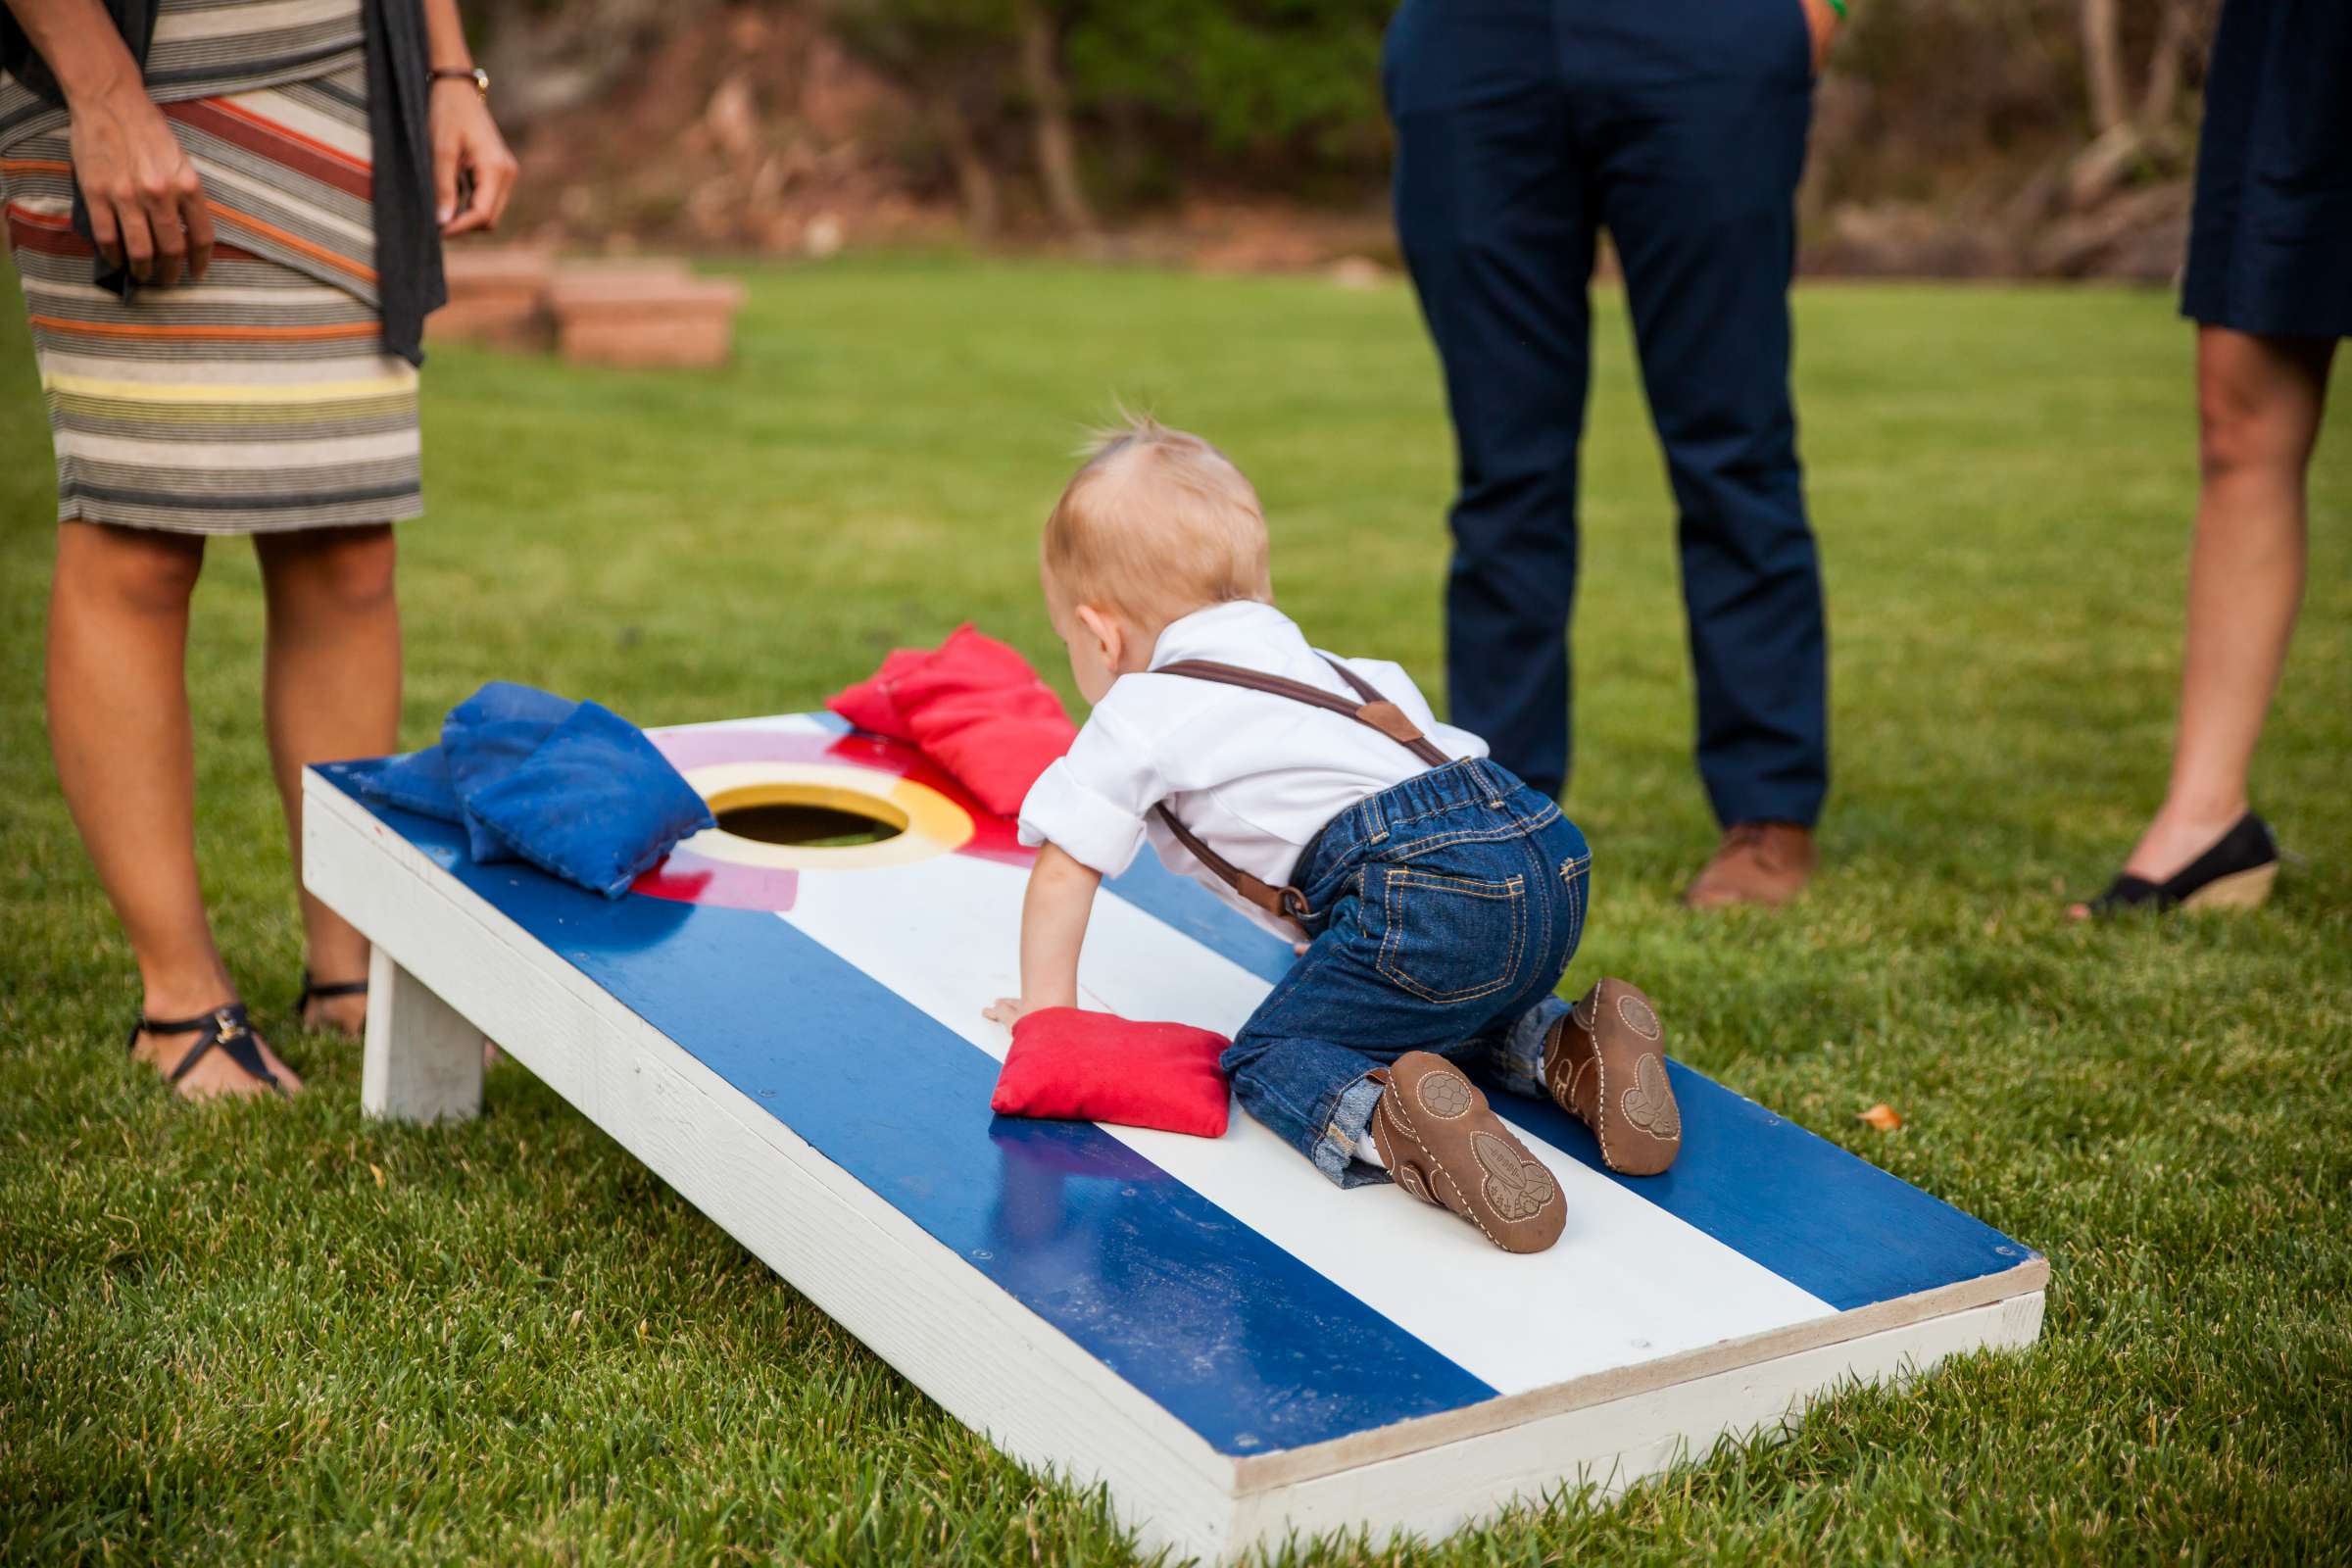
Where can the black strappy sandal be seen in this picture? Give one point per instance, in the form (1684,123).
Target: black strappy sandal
(225,1028)
(313,991)
(2237,873)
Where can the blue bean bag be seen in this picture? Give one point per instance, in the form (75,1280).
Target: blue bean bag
(573,788)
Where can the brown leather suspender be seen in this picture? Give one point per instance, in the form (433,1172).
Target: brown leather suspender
(1375,712)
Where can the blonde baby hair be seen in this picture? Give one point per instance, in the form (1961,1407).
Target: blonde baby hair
(1156,525)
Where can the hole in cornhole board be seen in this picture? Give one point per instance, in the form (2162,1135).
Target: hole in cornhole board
(812,816)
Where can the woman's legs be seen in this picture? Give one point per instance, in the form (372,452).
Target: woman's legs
(2258,401)
(119,729)
(331,690)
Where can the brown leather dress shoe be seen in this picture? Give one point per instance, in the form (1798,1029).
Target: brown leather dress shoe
(1605,1065)
(1447,1148)
(1758,862)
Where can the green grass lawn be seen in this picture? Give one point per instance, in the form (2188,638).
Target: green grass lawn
(273,1332)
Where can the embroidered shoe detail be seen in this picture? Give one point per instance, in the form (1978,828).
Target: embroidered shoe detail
(1650,1104)
(1516,1186)
(1444,1094)
(1638,1016)
(1567,1058)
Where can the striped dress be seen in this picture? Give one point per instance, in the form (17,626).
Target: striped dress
(260,399)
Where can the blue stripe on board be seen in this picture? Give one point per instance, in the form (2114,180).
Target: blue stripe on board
(1227,1332)
(1798,1205)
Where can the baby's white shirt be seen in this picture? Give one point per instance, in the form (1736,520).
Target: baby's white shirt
(1254,775)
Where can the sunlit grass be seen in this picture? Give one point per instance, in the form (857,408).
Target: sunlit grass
(282,1333)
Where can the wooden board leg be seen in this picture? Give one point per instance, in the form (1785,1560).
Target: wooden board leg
(423,1062)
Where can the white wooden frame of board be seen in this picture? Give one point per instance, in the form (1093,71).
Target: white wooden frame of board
(450,970)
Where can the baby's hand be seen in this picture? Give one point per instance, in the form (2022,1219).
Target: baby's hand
(1009,1011)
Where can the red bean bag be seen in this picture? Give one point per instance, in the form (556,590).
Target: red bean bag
(1075,1065)
(974,705)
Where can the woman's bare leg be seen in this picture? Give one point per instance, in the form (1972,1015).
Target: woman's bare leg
(119,731)
(2258,401)
(331,690)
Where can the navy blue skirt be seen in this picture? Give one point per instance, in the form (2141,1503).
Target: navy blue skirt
(2270,247)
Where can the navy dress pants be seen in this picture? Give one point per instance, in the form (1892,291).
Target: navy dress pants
(1523,127)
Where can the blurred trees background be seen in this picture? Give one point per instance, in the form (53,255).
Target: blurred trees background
(1971,136)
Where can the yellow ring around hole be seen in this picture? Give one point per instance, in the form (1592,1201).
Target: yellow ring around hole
(929,823)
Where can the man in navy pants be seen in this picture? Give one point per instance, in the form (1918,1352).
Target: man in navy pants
(1523,127)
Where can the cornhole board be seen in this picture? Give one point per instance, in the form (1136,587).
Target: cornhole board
(792,1036)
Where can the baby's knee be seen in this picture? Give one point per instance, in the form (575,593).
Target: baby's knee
(1240,1060)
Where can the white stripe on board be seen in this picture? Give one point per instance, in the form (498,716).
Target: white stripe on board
(1628,1282)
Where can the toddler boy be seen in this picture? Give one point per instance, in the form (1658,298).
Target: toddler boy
(1435,899)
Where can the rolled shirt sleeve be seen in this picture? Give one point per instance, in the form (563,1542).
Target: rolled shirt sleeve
(1092,803)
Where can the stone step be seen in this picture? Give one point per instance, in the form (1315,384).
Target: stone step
(642,314)
(497,296)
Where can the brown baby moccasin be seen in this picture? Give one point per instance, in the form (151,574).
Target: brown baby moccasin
(1443,1146)
(1605,1064)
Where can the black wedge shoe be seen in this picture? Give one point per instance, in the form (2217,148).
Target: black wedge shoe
(2237,873)
(224,1029)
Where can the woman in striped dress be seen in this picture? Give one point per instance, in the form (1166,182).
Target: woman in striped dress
(227,216)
